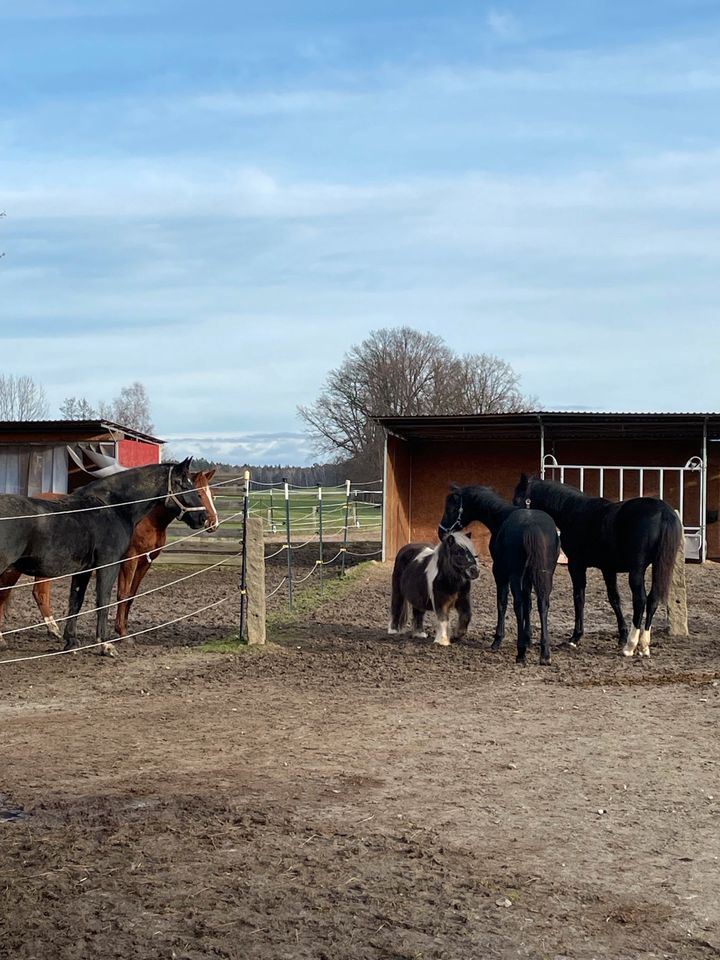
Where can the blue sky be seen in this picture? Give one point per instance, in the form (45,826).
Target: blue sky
(220,199)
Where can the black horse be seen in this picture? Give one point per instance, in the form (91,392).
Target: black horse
(524,548)
(91,529)
(427,578)
(625,537)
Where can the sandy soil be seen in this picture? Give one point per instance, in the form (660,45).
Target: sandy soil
(345,794)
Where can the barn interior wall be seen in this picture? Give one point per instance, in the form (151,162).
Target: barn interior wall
(496,464)
(424,470)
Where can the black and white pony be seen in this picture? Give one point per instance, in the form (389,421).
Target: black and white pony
(524,548)
(625,537)
(91,530)
(426,578)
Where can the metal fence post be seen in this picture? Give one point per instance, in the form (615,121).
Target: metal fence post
(289,548)
(243,568)
(347,517)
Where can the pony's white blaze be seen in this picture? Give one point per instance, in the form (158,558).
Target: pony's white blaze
(632,642)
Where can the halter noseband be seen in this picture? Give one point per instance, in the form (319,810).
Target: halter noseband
(173,498)
(457,525)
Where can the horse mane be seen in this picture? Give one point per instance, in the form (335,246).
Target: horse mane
(556,495)
(487,500)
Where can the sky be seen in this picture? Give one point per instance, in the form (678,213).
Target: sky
(218,200)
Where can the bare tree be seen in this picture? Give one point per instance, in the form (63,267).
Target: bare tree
(77,408)
(401,372)
(21,399)
(131,408)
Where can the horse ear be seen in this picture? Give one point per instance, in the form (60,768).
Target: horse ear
(209,474)
(183,468)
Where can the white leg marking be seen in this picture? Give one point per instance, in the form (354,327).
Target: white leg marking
(632,642)
(391,628)
(441,636)
(645,643)
(52,628)
(108,650)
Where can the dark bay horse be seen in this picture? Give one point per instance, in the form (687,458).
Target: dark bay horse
(90,528)
(426,578)
(148,539)
(625,537)
(524,548)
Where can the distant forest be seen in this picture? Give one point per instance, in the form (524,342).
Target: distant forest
(319,474)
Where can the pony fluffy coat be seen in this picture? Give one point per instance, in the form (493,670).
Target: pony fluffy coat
(426,578)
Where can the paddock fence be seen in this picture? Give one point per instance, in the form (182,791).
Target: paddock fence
(309,534)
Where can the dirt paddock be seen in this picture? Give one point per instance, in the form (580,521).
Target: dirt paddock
(346,794)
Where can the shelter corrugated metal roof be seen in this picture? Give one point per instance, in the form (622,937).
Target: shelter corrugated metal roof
(557,424)
(73,427)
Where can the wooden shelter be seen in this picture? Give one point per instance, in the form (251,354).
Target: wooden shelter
(46,457)
(617,455)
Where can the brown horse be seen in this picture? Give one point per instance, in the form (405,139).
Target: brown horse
(148,539)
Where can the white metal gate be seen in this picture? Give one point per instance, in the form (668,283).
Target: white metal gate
(683,488)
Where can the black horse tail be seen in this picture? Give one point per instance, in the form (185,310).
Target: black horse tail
(668,545)
(538,563)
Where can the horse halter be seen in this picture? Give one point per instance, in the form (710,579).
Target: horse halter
(457,525)
(173,498)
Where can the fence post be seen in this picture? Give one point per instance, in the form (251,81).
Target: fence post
(677,599)
(289,548)
(243,568)
(347,518)
(255,580)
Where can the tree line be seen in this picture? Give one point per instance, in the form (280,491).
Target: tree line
(396,371)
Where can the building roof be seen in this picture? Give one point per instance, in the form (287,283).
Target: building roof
(557,425)
(72,429)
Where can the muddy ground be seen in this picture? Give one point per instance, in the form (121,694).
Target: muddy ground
(346,794)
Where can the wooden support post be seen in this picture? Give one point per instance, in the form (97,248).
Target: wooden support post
(677,600)
(255,578)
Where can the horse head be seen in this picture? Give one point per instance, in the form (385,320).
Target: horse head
(452,518)
(183,495)
(522,497)
(460,555)
(201,479)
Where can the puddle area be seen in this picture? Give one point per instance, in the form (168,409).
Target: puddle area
(9,813)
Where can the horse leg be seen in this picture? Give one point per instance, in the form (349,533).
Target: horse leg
(41,593)
(418,618)
(578,575)
(464,613)
(502,587)
(610,578)
(521,617)
(543,605)
(7,580)
(104,583)
(398,609)
(653,601)
(78,586)
(129,580)
(442,612)
(639,597)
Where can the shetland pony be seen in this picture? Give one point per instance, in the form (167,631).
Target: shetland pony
(524,547)
(616,538)
(426,578)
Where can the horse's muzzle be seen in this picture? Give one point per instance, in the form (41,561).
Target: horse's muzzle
(473,572)
(211,525)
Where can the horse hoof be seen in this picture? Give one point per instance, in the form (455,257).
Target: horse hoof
(521,660)
(627,653)
(495,645)
(443,642)
(108,650)
(544,661)
(421,635)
